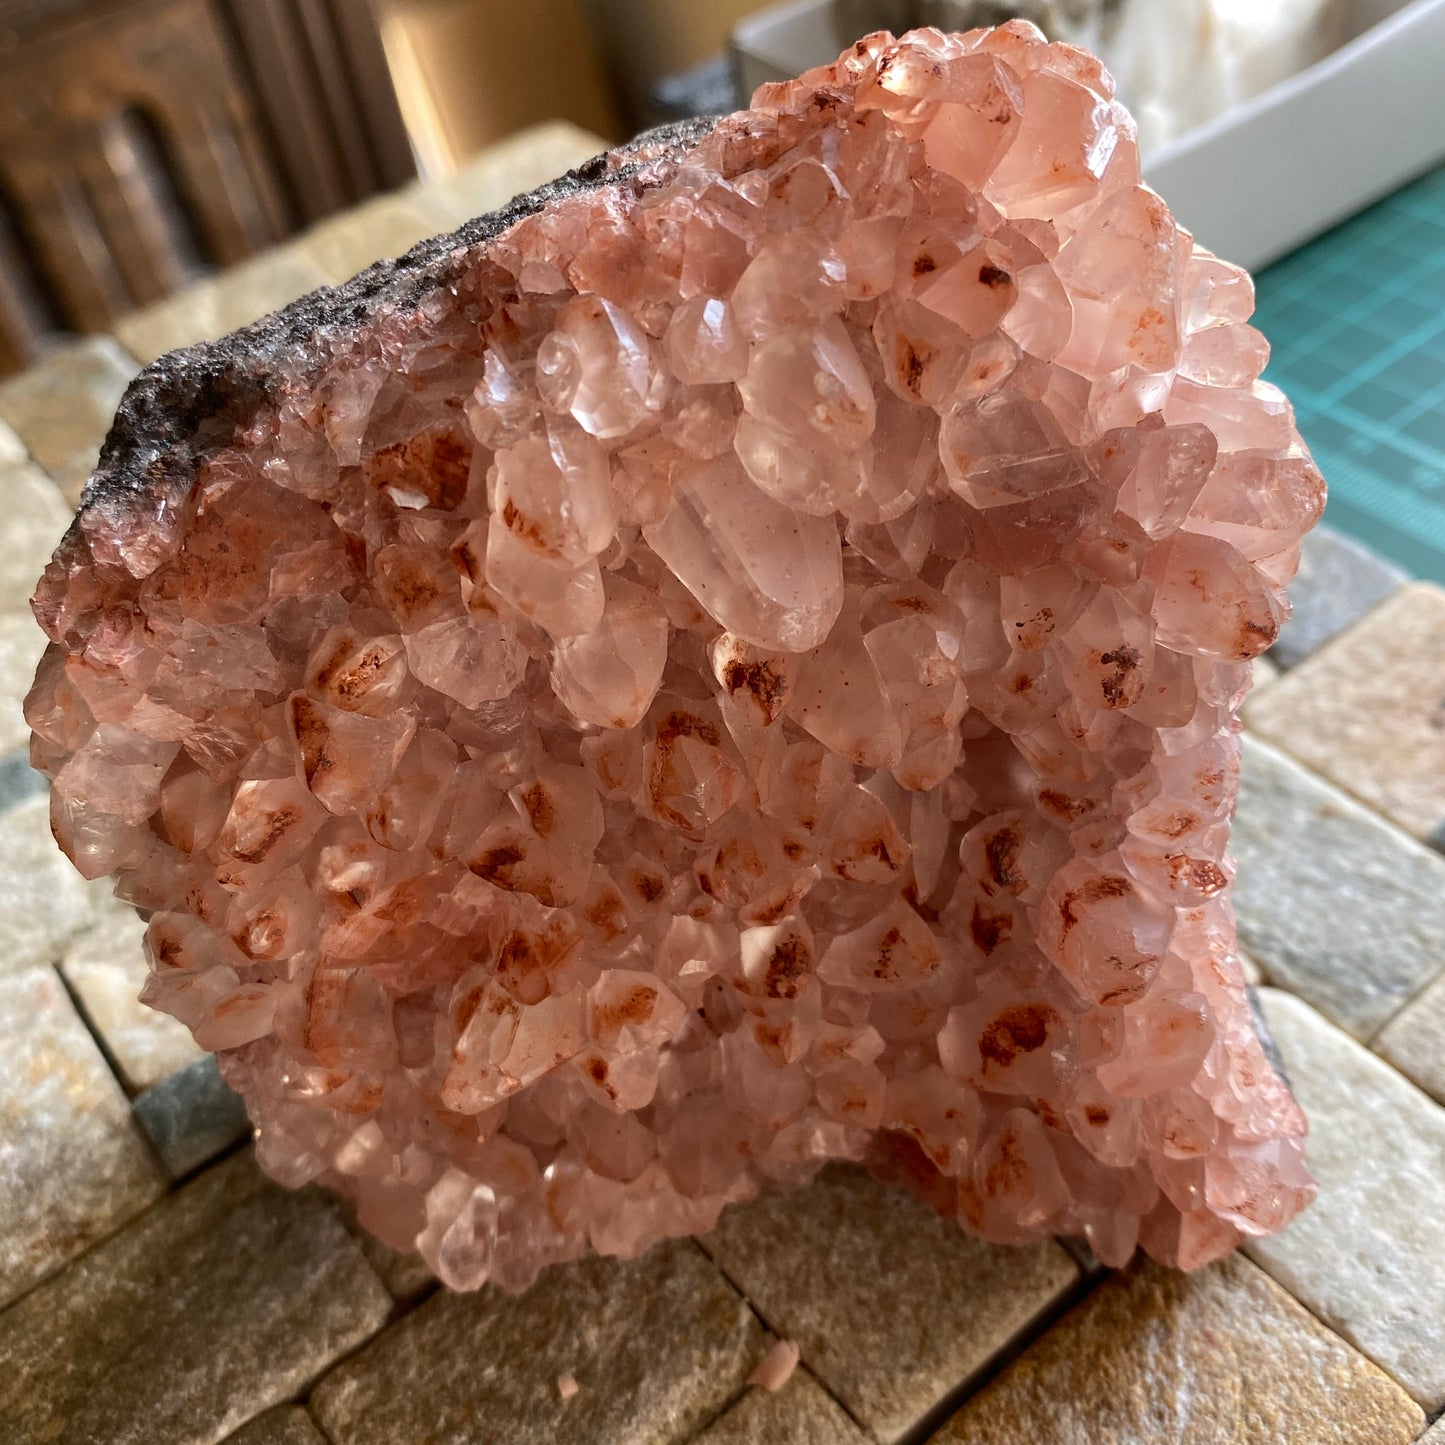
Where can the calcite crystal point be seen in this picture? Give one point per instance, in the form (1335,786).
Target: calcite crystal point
(729,664)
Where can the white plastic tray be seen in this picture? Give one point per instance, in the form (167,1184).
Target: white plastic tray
(1267,175)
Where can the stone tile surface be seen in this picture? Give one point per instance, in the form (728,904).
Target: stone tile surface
(1220,1357)
(19,782)
(1263,672)
(21,643)
(62,408)
(1414,1040)
(1368,710)
(892,1306)
(405,1275)
(36,516)
(657,1346)
(350,242)
(1339,581)
(191,1117)
(518,164)
(44,902)
(223,1301)
(12,449)
(72,1167)
(105,968)
(286,1425)
(801,1413)
(209,309)
(1334,903)
(1368,1257)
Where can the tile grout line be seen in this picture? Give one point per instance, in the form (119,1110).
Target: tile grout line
(978,1379)
(700,1244)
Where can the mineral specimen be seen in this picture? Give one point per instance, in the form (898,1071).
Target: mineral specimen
(728,664)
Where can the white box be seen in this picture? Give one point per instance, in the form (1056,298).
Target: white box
(1265,176)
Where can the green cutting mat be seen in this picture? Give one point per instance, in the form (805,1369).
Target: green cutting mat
(1357,323)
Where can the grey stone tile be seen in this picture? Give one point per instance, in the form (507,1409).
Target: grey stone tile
(18,780)
(21,643)
(1339,581)
(44,902)
(1334,903)
(36,516)
(1414,1040)
(191,1117)
(285,1425)
(405,1275)
(892,1306)
(656,1345)
(801,1413)
(1220,1357)
(1368,1257)
(226,1299)
(1368,711)
(72,1168)
(105,968)
(62,408)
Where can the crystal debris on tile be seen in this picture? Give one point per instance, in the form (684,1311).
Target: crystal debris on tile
(728,663)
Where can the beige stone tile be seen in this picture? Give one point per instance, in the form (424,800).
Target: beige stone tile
(182,319)
(801,1413)
(72,1168)
(1414,1040)
(21,644)
(385,227)
(657,1345)
(212,308)
(1368,710)
(105,967)
(1368,1257)
(35,519)
(1334,903)
(224,1300)
(12,449)
(1221,1357)
(62,408)
(265,283)
(1263,672)
(511,167)
(44,902)
(286,1425)
(892,1306)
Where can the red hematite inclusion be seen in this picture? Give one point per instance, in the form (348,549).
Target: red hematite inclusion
(741,672)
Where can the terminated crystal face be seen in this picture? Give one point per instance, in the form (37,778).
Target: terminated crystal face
(729,665)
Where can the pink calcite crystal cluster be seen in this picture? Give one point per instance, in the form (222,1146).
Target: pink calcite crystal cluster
(734,669)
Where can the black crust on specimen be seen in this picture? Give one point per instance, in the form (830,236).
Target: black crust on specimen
(188,401)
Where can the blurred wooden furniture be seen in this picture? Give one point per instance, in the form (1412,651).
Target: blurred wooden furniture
(145,142)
